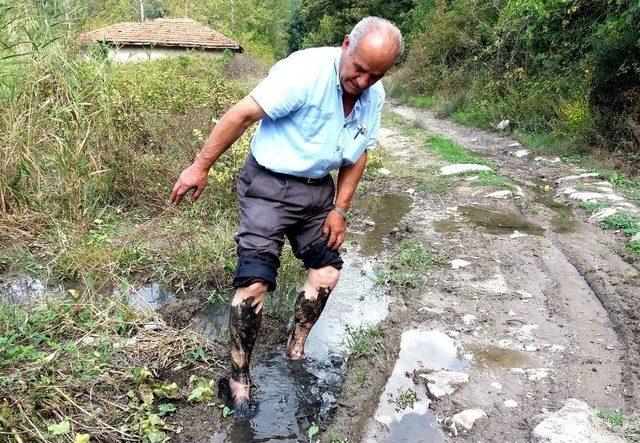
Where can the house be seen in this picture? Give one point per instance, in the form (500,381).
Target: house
(153,39)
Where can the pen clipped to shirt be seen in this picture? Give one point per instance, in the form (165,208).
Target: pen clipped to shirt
(361,130)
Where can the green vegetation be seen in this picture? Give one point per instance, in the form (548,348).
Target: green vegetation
(627,426)
(594,206)
(365,342)
(75,367)
(406,266)
(404,399)
(625,222)
(493,179)
(451,152)
(612,417)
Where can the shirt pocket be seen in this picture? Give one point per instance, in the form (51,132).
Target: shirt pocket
(316,126)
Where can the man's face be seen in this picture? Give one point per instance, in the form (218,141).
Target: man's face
(372,58)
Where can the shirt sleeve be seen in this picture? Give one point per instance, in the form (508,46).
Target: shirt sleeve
(283,91)
(375,128)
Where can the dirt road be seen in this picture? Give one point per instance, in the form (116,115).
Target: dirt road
(533,304)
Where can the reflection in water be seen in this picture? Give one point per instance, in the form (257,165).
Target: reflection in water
(418,350)
(385,210)
(490,356)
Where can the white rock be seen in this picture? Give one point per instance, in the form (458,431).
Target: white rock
(567,191)
(384,171)
(499,194)
(556,160)
(577,177)
(467,319)
(462,168)
(603,213)
(521,153)
(537,374)
(464,420)
(495,385)
(519,191)
(517,234)
(510,404)
(411,191)
(557,348)
(496,284)
(511,313)
(441,383)
(459,263)
(524,294)
(636,237)
(514,145)
(591,196)
(574,423)
(503,124)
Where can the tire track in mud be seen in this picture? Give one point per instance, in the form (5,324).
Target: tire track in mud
(543,317)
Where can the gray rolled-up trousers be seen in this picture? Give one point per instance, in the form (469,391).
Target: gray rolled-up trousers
(272,206)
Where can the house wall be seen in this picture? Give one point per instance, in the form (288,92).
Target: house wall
(138,54)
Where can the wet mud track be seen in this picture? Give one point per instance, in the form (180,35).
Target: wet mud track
(535,307)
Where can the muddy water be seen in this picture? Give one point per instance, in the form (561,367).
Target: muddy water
(384,211)
(290,397)
(563,221)
(491,220)
(394,422)
(490,356)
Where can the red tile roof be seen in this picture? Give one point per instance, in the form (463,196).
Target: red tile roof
(163,32)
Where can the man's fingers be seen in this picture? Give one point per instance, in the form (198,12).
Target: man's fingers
(182,191)
(325,229)
(174,192)
(339,241)
(332,240)
(196,194)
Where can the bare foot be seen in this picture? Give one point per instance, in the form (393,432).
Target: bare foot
(240,393)
(295,347)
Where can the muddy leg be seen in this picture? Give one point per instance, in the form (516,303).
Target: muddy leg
(245,316)
(309,306)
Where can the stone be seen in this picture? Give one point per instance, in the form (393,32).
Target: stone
(593,196)
(467,319)
(411,191)
(441,383)
(577,177)
(463,168)
(384,171)
(520,153)
(636,238)
(500,194)
(603,213)
(464,420)
(503,125)
(459,263)
(510,404)
(574,423)
(517,234)
(495,385)
(514,145)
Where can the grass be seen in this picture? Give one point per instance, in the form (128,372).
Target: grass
(495,180)
(625,222)
(594,206)
(434,184)
(365,342)
(627,426)
(406,266)
(614,418)
(77,366)
(423,102)
(452,152)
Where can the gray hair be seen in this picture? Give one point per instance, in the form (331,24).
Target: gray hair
(376,25)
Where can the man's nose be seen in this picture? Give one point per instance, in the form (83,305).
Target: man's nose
(364,80)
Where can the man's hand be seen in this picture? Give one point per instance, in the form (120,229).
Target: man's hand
(193,177)
(334,229)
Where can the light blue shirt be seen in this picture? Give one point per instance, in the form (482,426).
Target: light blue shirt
(306,133)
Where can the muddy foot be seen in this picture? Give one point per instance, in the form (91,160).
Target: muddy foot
(235,395)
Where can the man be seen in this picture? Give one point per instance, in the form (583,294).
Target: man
(319,109)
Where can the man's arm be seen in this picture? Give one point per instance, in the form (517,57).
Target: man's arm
(230,127)
(348,178)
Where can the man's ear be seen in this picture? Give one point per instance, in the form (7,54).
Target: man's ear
(345,42)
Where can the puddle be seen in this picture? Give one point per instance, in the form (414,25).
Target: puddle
(418,350)
(153,296)
(385,210)
(22,289)
(490,356)
(292,396)
(543,191)
(491,220)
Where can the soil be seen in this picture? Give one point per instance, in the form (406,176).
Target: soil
(541,318)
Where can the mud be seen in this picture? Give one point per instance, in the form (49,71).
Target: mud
(543,310)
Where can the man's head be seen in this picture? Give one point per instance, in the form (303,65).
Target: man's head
(371,49)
